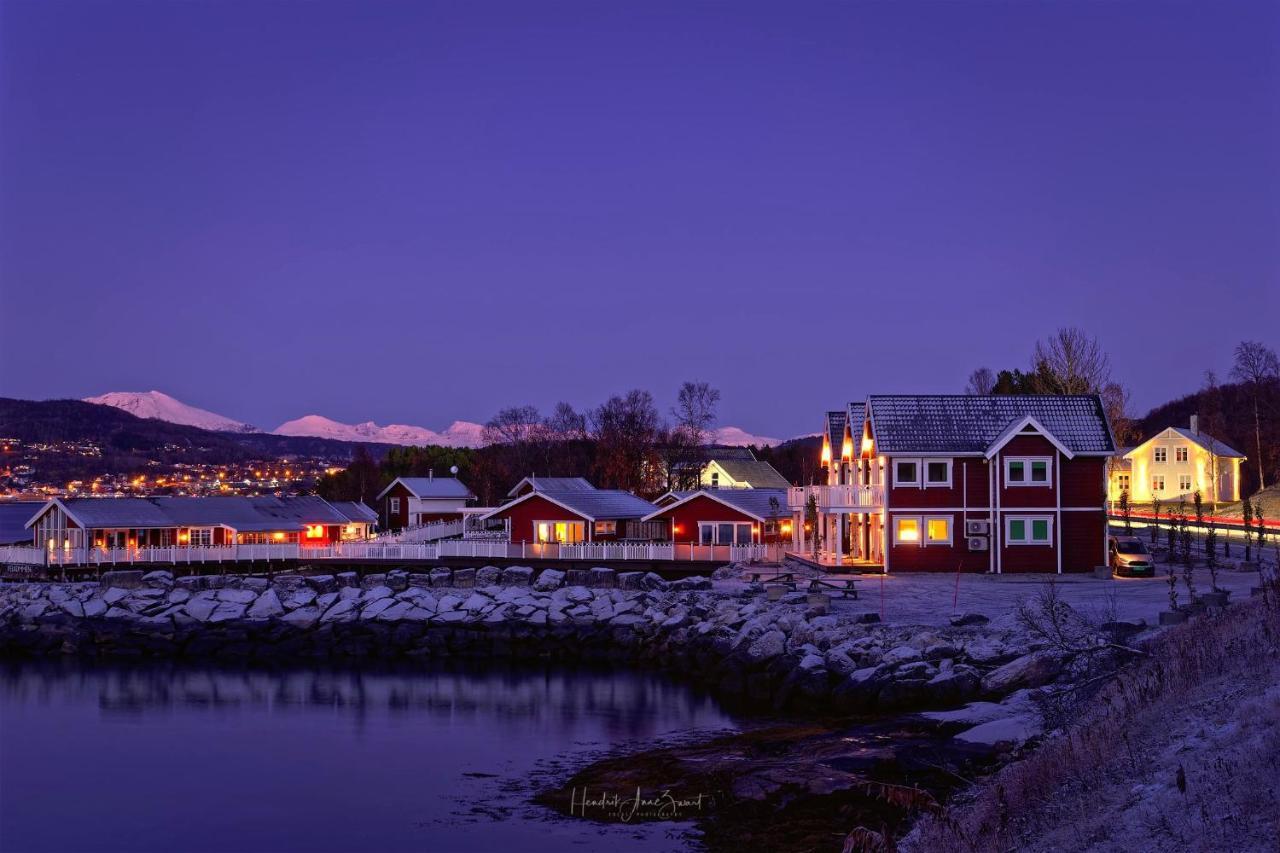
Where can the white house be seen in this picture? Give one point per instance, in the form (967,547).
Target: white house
(1176,463)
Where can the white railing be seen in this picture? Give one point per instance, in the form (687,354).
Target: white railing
(830,498)
(21,555)
(373,550)
(429,532)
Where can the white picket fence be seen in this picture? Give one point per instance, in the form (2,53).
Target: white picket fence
(380,550)
(429,532)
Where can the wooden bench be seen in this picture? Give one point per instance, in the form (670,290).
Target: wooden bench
(835,586)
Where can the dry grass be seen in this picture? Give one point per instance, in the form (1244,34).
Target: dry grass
(1206,703)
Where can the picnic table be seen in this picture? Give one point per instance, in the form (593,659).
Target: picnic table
(844,586)
(774,577)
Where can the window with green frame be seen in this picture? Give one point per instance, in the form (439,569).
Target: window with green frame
(1028,530)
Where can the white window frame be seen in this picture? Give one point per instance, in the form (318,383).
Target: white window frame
(924,530)
(715,532)
(1027,462)
(897,529)
(1028,521)
(936,484)
(1184,483)
(919,473)
(1160,455)
(1122,480)
(200,536)
(551,527)
(1182,454)
(393,506)
(1157,483)
(604,528)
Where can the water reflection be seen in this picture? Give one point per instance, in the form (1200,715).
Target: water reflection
(412,757)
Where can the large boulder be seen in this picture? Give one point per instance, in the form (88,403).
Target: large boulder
(464,578)
(348,579)
(602,578)
(488,576)
(266,607)
(160,577)
(122,580)
(549,580)
(696,582)
(517,576)
(631,580)
(769,645)
(1031,670)
(323,583)
(655,582)
(577,577)
(441,576)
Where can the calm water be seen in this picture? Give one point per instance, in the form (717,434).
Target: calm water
(170,758)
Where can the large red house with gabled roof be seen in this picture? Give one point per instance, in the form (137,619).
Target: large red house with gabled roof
(971,483)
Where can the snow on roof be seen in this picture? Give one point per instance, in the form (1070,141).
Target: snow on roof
(753,502)
(552,484)
(592,504)
(964,423)
(239,513)
(433,487)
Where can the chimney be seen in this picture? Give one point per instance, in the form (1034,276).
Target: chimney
(1195,424)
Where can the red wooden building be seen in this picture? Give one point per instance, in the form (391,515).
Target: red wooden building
(414,501)
(724,516)
(962,483)
(576,515)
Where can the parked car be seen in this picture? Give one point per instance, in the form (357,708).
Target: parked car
(1128,557)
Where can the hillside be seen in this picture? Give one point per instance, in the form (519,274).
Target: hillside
(1227,413)
(127,442)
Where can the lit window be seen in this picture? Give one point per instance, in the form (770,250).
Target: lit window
(937,473)
(906,530)
(315,531)
(1027,471)
(1028,530)
(938,531)
(606,528)
(1180,454)
(1157,483)
(1184,482)
(1162,454)
(715,533)
(543,531)
(906,472)
(1122,480)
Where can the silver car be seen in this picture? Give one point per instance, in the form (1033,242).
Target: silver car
(1129,557)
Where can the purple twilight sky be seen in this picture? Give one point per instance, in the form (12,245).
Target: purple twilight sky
(416,212)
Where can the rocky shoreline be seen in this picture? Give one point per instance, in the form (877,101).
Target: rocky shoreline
(726,635)
(865,696)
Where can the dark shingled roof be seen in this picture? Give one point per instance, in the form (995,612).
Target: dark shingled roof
(356,511)
(244,514)
(836,422)
(751,501)
(606,504)
(962,423)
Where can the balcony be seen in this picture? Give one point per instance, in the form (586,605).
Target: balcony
(837,498)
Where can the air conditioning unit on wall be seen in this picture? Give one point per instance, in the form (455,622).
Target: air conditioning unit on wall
(977,528)
(977,543)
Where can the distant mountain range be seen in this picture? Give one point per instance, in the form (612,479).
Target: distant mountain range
(156,404)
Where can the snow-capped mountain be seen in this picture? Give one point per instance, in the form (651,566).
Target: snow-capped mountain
(459,433)
(156,404)
(735,437)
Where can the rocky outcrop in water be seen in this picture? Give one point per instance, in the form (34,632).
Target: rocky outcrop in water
(729,636)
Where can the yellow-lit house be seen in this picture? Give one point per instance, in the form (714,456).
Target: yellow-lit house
(1176,463)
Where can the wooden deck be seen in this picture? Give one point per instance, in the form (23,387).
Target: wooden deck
(828,563)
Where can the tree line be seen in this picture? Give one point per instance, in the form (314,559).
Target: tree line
(623,443)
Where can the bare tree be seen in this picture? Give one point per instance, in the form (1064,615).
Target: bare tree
(981,382)
(1256,366)
(516,433)
(695,410)
(1070,362)
(1209,424)
(627,430)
